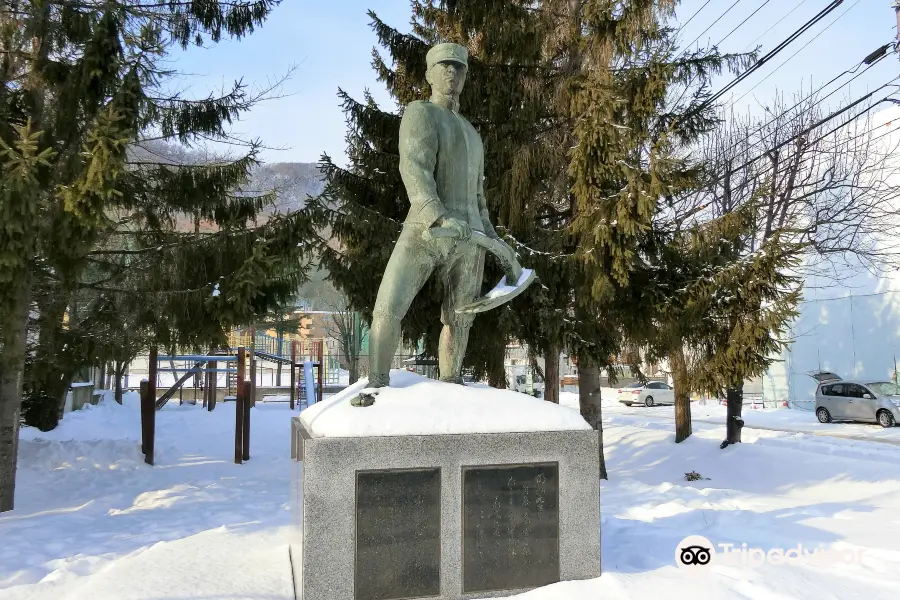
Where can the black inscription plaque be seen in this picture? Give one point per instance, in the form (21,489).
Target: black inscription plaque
(510,527)
(398,540)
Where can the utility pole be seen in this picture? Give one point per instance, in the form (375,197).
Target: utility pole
(896,5)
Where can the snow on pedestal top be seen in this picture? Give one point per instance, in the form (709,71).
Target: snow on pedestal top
(416,405)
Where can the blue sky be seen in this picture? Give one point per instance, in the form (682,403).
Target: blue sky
(331,42)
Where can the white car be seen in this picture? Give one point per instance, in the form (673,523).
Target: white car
(651,394)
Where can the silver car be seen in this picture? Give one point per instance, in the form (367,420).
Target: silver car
(651,394)
(872,401)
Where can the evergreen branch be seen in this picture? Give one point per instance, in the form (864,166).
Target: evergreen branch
(229,139)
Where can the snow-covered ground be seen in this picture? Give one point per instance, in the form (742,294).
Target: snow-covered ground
(776,419)
(93,522)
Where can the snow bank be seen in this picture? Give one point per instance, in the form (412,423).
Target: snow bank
(415,405)
(104,421)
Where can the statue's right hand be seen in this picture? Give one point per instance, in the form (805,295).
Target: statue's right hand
(464,232)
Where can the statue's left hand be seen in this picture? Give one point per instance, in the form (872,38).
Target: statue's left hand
(490,232)
(464,232)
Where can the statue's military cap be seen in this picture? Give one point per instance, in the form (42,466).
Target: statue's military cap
(447,52)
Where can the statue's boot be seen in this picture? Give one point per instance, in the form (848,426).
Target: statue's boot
(367,396)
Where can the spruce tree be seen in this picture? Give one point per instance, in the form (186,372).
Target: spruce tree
(716,310)
(637,106)
(73,195)
(754,302)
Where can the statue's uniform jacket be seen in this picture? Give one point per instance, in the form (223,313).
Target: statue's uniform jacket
(442,166)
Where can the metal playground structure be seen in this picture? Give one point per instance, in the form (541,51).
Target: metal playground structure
(305,364)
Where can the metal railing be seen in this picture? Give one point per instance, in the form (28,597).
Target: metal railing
(307,349)
(336,366)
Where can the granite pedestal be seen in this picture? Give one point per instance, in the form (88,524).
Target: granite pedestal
(447,517)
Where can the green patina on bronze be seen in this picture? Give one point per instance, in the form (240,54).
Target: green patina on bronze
(442,166)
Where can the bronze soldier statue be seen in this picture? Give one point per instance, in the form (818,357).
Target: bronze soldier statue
(447,227)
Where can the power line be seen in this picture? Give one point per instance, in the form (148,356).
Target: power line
(858,135)
(774,52)
(832,116)
(776,171)
(699,10)
(801,49)
(762,6)
(850,296)
(883,135)
(728,10)
(776,24)
(817,124)
(771,54)
(868,131)
(870,61)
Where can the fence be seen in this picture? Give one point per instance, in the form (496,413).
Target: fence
(261,342)
(336,365)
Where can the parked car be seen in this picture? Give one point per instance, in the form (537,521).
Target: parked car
(871,401)
(651,394)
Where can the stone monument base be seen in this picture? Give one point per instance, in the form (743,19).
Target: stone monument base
(447,517)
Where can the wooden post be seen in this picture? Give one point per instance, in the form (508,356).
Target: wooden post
(321,370)
(149,458)
(151,405)
(145,395)
(241,366)
(239,425)
(152,375)
(252,395)
(240,395)
(197,385)
(246,405)
(148,420)
(212,388)
(293,373)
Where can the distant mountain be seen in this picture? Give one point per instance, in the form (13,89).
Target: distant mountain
(294,182)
